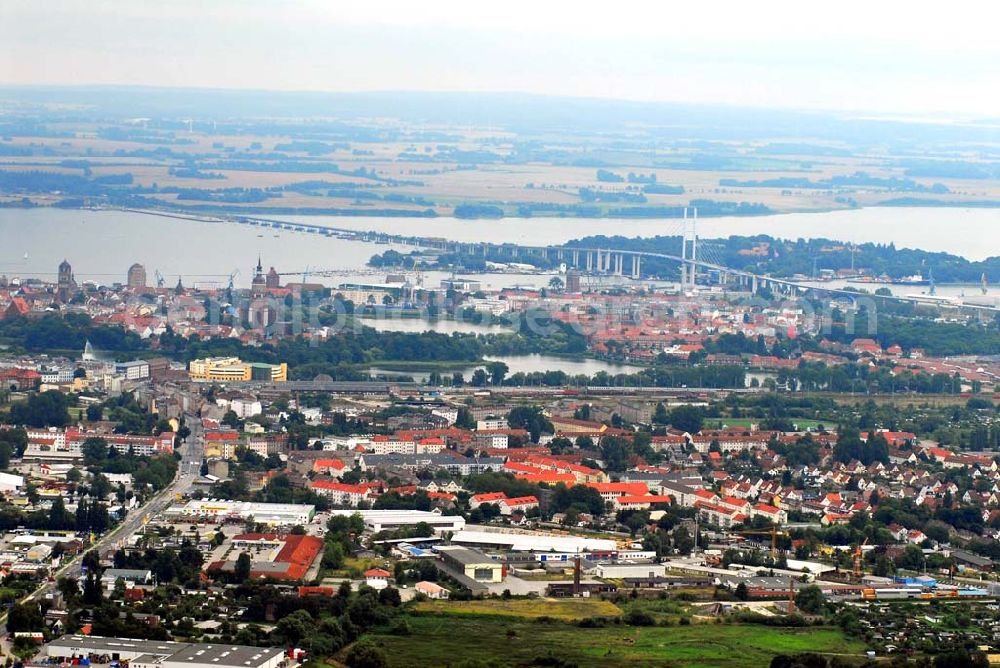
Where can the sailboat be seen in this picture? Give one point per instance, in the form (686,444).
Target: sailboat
(25,255)
(982,283)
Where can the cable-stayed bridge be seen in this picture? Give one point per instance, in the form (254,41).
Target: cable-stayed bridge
(696,261)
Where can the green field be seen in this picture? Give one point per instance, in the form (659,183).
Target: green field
(566,609)
(450,640)
(802,423)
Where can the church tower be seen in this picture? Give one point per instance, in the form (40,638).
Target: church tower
(258,287)
(66,285)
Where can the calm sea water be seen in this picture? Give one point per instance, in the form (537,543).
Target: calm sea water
(971,233)
(101,245)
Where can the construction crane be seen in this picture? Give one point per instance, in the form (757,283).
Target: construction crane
(773,532)
(857,559)
(160,281)
(232,277)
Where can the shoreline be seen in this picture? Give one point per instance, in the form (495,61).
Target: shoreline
(216,214)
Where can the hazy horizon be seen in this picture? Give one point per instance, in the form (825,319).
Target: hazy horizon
(863,58)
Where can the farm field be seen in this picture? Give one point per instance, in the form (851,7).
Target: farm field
(373,165)
(448,640)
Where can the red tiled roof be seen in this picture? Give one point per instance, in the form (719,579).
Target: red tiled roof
(328,464)
(488,497)
(551,477)
(620,488)
(222,435)
(299,553)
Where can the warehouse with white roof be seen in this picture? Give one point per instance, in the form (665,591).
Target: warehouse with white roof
(274,514)
(162,653)
(388,520)
(532,542)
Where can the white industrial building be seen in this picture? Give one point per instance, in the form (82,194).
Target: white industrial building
(274,514)
(532,542)
(164,654)
(387,520)
(621,571)
(10,482)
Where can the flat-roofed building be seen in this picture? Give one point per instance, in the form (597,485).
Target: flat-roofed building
(472,563)
(163,653)
(386,520)
(620,571)
(274,514)
(233,369)
(532,542)
(134,370)
(130,576)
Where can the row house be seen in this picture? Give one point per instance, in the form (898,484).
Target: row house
(652,479)
(495,440)
(640,501)
(477,500)
(741,489)
(582,474)
(770,513)
(729,443)
(540,476)
(610,490)
(722,516)
(330,467)
(59,445)
(523,504)
(733,503)
(671,442)
(895,439)
(449,487)
(342,494)
(687,497)
(436,497)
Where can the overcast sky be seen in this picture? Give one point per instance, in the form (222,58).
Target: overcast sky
(878,55)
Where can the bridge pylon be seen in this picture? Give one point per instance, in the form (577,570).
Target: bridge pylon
(689,250)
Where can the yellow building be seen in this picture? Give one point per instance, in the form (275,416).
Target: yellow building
(472,563)
(233,369)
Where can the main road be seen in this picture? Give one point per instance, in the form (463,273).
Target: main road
(188,470)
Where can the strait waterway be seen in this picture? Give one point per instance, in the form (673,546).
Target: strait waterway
(102,244)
